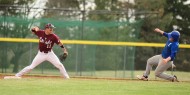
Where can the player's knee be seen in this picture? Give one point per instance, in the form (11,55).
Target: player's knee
(59,66)
(148,61)
(157,74)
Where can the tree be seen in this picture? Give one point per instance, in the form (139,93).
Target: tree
(180,15)
(114,11)
(9,8)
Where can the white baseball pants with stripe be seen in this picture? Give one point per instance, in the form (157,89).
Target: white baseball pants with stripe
(41,57)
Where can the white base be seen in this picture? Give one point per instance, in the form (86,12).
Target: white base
(139,77)
(12,77)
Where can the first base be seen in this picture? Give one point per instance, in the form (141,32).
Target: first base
(141,78)
(12,77)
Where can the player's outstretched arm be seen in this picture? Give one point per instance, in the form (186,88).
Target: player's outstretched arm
(159,31)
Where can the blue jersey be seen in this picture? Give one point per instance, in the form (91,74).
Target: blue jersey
(171,48)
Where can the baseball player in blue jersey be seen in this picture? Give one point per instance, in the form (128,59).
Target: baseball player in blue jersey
(164,60)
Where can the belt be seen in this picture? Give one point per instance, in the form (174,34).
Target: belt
(44,51)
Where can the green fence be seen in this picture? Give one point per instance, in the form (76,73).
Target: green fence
(83,60)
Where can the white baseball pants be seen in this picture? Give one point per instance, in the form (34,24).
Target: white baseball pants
(41,57)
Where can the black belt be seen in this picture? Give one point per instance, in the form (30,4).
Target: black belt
(44,51)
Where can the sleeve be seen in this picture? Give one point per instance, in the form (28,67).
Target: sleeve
(37,32)
(174,50)
(172,56)
(57,40)
(165,34)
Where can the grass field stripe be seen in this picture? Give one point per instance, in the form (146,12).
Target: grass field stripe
(110,43)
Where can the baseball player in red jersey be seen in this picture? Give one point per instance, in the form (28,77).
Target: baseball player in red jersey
(46,41)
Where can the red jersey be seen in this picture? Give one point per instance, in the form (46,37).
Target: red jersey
(46,42)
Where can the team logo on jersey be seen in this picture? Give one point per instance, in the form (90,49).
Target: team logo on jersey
(41,40)
(169,44)
(48,43)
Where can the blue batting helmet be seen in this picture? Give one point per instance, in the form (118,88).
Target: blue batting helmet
(175,35)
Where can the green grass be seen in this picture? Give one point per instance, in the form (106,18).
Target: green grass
(52,86)
(182,76)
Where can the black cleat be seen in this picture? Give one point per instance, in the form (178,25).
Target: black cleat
(175,79)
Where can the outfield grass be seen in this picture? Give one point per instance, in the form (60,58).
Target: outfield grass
(75,86)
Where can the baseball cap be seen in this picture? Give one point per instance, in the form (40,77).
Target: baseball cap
(49,25)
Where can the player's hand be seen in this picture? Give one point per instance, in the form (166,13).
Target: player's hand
(165,61)
(65,51)
(157,30)
(35,29)
(62,57)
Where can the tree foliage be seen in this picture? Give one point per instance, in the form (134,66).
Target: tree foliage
(12,29)
(181,18)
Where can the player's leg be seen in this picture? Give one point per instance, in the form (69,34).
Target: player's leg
(39,58)
(150,63)
(56,62)
(159,72)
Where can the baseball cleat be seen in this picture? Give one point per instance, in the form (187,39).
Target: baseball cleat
(142,78)
(66,77)
(12,77)
(175,79)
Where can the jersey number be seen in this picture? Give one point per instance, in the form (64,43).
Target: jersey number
(48,45)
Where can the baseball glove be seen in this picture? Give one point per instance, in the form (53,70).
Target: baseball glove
(62,57)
